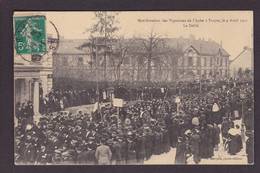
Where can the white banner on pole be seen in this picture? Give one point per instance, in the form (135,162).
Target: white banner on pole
(177,100)
(118,102)
(236,113)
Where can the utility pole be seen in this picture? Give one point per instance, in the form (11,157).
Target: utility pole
(200,70)
(105,53)
(200,76)
(97,68)
(242,97)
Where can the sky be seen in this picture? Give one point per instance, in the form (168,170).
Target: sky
(231,28)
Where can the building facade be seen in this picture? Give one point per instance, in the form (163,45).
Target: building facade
(181,59)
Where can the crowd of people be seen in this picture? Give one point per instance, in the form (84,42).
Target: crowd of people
(150,126)
(24,113)
(58,99)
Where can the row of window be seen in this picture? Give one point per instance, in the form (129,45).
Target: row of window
(204,61)
(205,72)
(191,61)
(66,61)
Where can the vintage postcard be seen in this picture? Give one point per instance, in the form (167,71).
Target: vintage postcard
(133,87)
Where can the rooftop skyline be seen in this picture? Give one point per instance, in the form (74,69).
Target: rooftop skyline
(234,36)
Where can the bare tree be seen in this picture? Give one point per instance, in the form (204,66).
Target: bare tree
(151,45)
(105,27)
(175,57)
(118,56)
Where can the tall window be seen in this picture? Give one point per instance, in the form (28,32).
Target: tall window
(180,61)
(226,61)
(190,63)
(80,60)
(224,73)
(221,61)
(198,61)
(65,61)
(211,61)
(126,60)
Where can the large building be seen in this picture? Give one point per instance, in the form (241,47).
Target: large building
(174,59)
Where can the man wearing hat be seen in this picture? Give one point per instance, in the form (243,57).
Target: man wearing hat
(234,140)
(195,145)
(103,154)
(131,152)
(250,147)
(140,147)
(116,151)
(42,156)
(180,157)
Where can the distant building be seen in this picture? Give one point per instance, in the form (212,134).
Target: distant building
(244,61)
(72,62)
(182,59)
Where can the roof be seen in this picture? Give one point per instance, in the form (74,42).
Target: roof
(72,46)
(203,47)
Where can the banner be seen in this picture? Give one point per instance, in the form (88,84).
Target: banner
(162,90)
(118,102)
(236,113)
(177,100)
(95,107)
(104,95)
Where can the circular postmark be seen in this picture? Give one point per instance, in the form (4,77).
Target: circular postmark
(30,38)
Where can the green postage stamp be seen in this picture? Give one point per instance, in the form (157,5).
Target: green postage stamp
(30,34)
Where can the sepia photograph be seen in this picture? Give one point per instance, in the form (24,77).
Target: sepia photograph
(133,87)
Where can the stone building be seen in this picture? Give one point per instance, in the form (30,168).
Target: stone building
(200,58)
(72,62)
(175,59)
